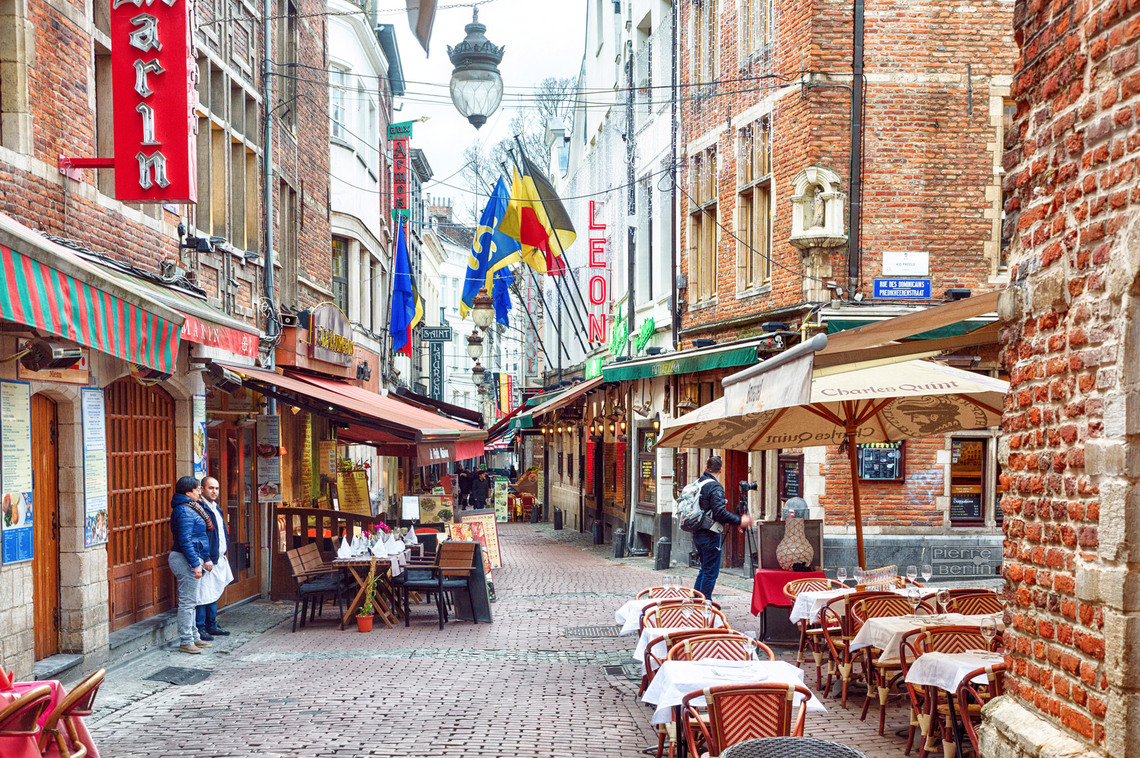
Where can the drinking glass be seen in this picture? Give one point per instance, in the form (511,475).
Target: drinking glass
(944,599)
(914,595)
(912,573)
(999,592)
(841,574)
(927,572)
(860,575)
(989,631)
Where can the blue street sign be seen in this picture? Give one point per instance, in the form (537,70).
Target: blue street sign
(902,289)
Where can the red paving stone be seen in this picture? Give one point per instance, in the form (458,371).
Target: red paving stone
(517,687)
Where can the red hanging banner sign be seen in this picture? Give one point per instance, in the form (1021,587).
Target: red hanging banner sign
(153,78)
(400,176)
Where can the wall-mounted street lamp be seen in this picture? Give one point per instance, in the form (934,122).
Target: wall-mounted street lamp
(475,346)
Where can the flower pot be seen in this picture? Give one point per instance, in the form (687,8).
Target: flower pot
(364,623)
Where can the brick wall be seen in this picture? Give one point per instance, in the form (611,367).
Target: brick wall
(1071,353)
(931,140)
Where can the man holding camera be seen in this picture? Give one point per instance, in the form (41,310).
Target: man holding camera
(708,541)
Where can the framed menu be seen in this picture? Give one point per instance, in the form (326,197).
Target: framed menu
(16,472)
(789,476)
(95,531)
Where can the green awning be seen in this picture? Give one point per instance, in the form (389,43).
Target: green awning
(956,329)
(685,362)
(522,421)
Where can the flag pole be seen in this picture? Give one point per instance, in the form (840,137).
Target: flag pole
(537,334)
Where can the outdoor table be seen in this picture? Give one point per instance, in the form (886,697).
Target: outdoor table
(768,587)
(675,679)
(26,747)
(810,602)
(946,671)
(628,617)
(886,632)
(359,568)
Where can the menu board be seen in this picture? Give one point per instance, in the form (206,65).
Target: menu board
(966,507)
(198,430)
(435,509)
(410,508)
(16,471)
(790,476)
(94,466)
(486,532)
(499,493)
(327,460)
(881,461)
(352,492)
(269,459)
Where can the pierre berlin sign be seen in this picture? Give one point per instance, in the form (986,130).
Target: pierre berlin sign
(153,77)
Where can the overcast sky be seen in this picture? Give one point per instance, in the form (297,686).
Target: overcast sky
(542,38)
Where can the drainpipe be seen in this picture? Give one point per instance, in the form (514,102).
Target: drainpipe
(855,175)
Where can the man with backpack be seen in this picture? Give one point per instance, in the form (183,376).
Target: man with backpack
(707,525)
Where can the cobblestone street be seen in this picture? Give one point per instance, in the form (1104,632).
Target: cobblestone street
(517,687)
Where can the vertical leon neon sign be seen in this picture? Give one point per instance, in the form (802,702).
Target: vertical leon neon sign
(599,286)
(153,76)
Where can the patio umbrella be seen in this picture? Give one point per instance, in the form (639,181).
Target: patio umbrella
(766,410)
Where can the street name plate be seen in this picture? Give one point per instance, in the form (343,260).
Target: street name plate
(435,333)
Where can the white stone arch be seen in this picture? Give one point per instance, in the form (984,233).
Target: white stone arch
(812,227)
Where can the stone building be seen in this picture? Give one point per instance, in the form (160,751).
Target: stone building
(1070,348)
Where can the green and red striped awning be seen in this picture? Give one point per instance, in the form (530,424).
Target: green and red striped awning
(82,306)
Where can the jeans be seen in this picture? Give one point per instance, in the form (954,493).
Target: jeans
(187,586)
(708,546)
(207,616)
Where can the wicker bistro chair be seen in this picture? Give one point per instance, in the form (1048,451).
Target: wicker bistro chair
(839,628)
(944,639)
(670,638)
(450,574)
(668,616)
(670,593)
(60,725)
(313,581)
(811,634)
(20,717)
(971,697)
(976,604)
(721,647)
(738,712)
(790,747)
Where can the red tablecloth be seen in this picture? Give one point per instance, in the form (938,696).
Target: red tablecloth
(768,587)
(19,747)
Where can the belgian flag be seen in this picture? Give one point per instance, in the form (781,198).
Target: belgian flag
(537,218)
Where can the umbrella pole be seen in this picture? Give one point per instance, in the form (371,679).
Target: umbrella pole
(853,457)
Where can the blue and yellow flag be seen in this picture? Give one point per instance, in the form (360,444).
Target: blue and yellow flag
(491,250)
(407,307)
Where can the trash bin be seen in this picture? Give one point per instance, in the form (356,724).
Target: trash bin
(557,518)
(619,543)
(535,513)
(661,557)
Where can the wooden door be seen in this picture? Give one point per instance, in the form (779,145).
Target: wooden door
(45,524)
(239,503)
(141,473)
(735,472)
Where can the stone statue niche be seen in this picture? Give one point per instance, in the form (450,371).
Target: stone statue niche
(817,209)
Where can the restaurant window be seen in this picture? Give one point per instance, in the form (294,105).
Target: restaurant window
(705,26)
(703,228)
(340,272)
(755,25)
(646,470)
(967,481)
(754,207)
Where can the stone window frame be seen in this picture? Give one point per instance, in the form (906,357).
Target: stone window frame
(16,55)
(749,185)
(747,16)
(704,237)
(991,502)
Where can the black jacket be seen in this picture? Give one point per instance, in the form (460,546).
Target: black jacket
(464,482)
(714,501)
(480,488)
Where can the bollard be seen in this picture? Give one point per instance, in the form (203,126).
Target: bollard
(661,559)
(535,513)
(557,518)
(619,543)
(599,533)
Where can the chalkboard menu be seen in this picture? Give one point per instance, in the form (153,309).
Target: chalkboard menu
(966,507)
(881,461)
(790,476)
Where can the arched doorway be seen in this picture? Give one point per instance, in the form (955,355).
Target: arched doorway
(141,473)
(45,564)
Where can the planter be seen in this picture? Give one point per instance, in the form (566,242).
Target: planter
(364,623)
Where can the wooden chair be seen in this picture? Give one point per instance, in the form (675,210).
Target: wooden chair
(20,718)
(60,725)
(976,604)
(971,697)
(665,593)
(683,615)
(738,712)
(450,574)
(720,647)
(527,505)
(313,580)
(811,634)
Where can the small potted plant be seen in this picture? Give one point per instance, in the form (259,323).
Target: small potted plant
(365,611)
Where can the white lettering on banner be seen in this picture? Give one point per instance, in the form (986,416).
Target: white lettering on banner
(145,38)
(147,114)
(148,162)
(839,391)
(142,68)
(962,553)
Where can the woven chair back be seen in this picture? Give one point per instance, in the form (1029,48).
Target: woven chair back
(666,593)
(950,639)
(739,712)
(720,647)
(882,606)
(666,616)
(976,605)
(794,588)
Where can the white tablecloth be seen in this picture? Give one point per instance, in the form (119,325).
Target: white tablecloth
(946,670)
(809,604)
(886,632)
(675,679)
(629,615)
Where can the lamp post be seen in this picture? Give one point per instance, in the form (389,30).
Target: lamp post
(476,85)
(483,309)
(475,346)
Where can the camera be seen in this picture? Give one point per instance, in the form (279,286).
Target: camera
(747,486)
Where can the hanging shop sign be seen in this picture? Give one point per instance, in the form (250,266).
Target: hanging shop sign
(93,404)
(78,374)
(153,81)
(16,472)
(644,334)
(598,288)
(330,335)
(198,428)
(435,370)
(269,459)
(399,176)
(619,335)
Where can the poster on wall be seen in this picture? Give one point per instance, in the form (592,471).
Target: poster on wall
(409,507)
(435,509)
(16,471)
(327,457)
(352,492)
(94,466)
(499,490)
(198,427)
(484,524)
(269,459)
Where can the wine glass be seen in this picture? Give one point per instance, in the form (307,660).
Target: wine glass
(927,572)
(914,595)
(860,575)
(999,593)
(944,599)
(841,574)
(911,573)
(989,631)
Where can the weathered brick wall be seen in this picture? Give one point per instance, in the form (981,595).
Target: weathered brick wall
(931,140)
(1070,348)
(911,502)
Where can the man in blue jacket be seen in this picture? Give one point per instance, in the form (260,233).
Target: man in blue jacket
(708,541)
